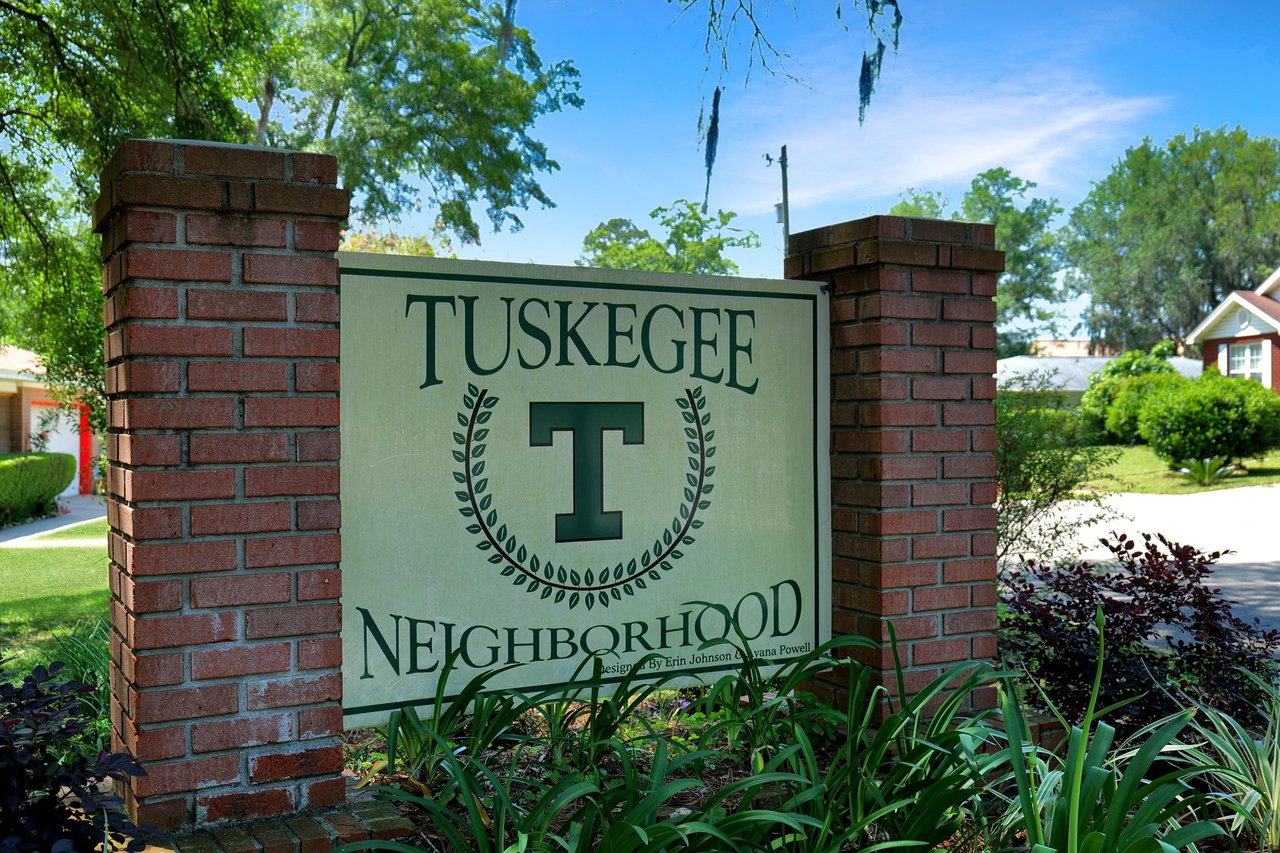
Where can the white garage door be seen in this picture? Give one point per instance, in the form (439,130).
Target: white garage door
(62,429)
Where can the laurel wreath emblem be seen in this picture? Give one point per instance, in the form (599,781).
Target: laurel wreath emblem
(578,586)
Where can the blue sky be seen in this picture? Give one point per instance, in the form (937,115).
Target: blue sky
(1054,91)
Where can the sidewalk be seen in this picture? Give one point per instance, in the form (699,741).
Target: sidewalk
(82,508)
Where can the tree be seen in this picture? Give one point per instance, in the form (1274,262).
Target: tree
(726,21)
(442,91)
(695,242)
(1032,256)
(924,204)
(1173,229)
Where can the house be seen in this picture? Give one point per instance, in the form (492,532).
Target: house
(1044,347)
(30,418)
(1242,335)
(1070,374)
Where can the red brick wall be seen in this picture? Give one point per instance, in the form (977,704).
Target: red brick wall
(912,364)
(222,384)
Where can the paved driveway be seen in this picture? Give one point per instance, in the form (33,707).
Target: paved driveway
(1245,521)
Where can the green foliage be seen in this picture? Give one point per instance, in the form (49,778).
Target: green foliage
(1043,456)
(30,481)
(85,655)
(1023,233)
(434,94)
(1173,229)
(924,204)
(695,242)
(1206,472)
(1131,395)
(1031,254)
(1213,416)
(438,94)
(1105,384)
(1095,798)
(1243,763)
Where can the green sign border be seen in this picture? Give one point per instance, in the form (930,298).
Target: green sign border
(587,277)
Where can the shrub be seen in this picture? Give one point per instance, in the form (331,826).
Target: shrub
(1106,383)
(1213,416)
(1042,458)
(1133,394)
(49,790)
(30,481)
(1156,596)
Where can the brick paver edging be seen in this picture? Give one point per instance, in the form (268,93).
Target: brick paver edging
(316,833)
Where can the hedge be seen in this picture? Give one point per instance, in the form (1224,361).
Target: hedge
(30,481)
(1212,416)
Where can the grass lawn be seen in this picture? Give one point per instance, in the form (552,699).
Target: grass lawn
(42,592)
(84,530)
(1139,470)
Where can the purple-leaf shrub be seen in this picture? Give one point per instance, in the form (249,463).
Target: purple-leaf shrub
(1170,637)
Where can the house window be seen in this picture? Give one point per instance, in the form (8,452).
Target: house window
(1245,360)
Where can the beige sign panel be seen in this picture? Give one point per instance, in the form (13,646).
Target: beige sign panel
(541,464)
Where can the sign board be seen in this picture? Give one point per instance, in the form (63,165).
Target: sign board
(544,463)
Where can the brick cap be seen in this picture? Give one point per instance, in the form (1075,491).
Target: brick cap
(917,229)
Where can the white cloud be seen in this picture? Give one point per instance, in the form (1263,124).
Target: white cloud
(927,130)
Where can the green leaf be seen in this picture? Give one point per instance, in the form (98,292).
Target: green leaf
(481,485)
(486,502)
(468,402)
(520,579)
(627,589)
(709,436)
(691,432)
(559,595)
(711,451)
(684,510)
(574,578)
(546,592)
(492,518)
(481,434)
(693,463)
(509,570)
(459,438)
(462,419)
(458,476)
(703,504)
(696,524)
(473,390)
(706,419)
(496,558)
(458,457)
(490,402)
(697,393)
(462,496)
(711,470)
(693,448)
(617,596)
(682,402)
(478,468)
(688,417)
(666,537)
(484,545)
(666,565)
(483,417)
(502,532)
(477,451)
(466,512)
(562,575)
(688,493)
(706,490)
(573,600)
(653,575)
(521,554)
(474,529)
(534,563)
(640,581)
(589,599)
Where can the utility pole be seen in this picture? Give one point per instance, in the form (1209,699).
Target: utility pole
(784,209)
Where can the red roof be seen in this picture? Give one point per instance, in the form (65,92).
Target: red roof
(1265,304)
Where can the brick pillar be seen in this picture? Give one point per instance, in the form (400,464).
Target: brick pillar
(222,387)
(912,364)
